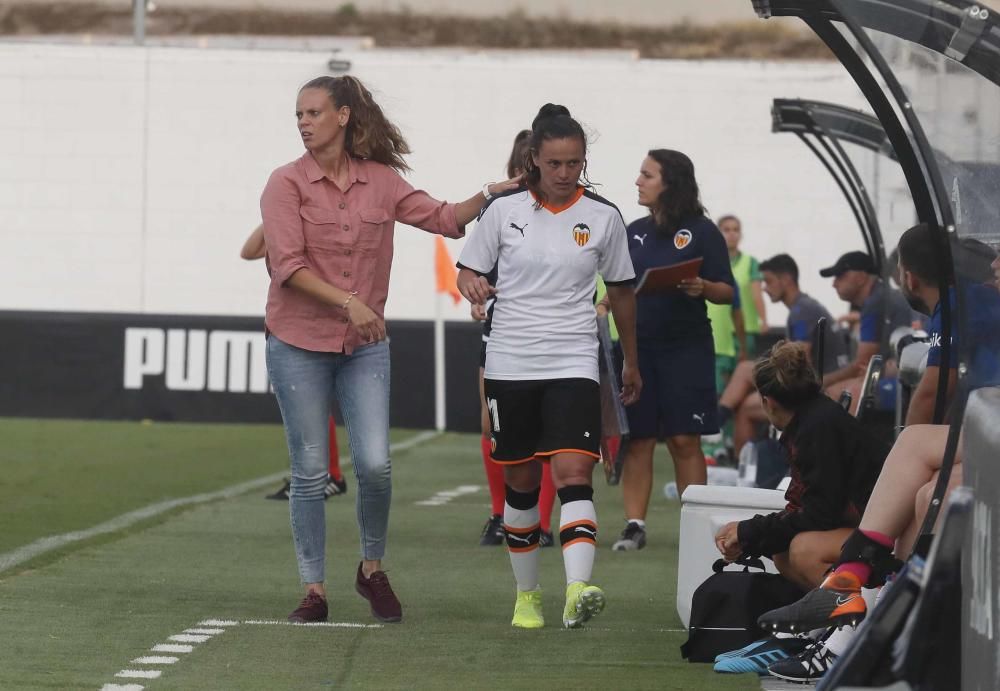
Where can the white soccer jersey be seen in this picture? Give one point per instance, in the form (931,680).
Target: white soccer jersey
(544,323)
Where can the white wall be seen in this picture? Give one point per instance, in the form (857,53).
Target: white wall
(129,177)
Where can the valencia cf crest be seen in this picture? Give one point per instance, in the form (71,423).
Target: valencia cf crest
(682,238)
(493,444)
(581,233)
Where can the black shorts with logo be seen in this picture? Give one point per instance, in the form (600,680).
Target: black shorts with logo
(543,417)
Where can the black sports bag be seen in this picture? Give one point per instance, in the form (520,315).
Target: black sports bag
(724,609)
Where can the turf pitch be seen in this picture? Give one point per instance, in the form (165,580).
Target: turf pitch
(76,617)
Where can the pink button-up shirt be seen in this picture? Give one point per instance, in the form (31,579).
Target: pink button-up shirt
(344,237)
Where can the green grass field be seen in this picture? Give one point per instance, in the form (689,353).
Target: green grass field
(74,618)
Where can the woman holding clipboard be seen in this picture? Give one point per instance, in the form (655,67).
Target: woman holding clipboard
(680,260)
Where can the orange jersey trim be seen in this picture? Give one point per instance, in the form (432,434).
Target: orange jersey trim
(558,209)
(580,451)
(515,462)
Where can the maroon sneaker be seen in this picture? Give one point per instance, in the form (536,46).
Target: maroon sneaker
(376,589)
(312,608)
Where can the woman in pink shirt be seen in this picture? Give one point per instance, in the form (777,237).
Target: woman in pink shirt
(328,226)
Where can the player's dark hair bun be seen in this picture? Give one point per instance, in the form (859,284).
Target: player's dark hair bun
(549,110)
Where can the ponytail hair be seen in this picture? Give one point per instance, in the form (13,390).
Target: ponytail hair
(786,374)
(552,122)
(680,198)
(519,153)
(370,134)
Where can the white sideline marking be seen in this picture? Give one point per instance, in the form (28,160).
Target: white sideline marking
(328,624)
(170,648)
(204,632)
(155,660)
(218,622)
(20,555)
(122,687)
(188,638)
(139,674)
(445,496)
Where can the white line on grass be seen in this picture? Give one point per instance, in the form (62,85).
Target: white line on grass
(122,687)
(445,496)
(155,660)
(171,648)
(188,638)
(139,674)
(20,555)
(204,632)
(218,622)
(328,624)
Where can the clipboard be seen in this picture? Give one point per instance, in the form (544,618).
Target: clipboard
(664,279)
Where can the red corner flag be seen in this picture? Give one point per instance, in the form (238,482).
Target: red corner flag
(444,269)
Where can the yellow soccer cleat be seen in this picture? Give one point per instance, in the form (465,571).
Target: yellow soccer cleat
(528,610)
(583,602)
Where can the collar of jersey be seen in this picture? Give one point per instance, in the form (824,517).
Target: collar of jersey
(557,209)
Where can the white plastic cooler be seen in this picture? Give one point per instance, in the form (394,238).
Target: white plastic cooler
(704,510)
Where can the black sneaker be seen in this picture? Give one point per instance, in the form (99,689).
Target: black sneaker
(492,532)
(312,608)
(809,665)
(282,494)
(545,539)
(334,487)
(632,538)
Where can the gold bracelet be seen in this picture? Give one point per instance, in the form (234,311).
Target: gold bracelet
(349,298)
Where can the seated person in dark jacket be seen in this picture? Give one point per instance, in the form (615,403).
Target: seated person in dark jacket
(834,465)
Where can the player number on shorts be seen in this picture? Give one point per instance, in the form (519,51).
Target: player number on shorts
(491,404)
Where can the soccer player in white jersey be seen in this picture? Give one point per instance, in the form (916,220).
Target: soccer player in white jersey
(549,241)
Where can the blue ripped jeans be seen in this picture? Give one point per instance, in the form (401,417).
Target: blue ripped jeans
(305,383)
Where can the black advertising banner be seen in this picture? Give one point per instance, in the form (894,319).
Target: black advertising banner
(980,662)
(199,369)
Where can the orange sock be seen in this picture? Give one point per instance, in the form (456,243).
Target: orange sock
(494,478)
(334,452)
(613,444)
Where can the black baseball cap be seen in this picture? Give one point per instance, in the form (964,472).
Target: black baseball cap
(852,261)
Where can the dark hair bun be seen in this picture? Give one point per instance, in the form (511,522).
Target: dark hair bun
(549,110)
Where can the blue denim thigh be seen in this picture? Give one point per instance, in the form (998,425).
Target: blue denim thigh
(303,384)
(362,388)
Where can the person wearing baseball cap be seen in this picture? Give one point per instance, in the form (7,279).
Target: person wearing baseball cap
(856,281)
(852,261)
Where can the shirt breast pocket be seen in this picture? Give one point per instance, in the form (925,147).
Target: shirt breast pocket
(319,227)
(372,228)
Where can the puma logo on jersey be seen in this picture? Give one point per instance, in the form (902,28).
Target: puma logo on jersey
(699,418)
(581,529)
(641,238)
(512,536)
(520,229)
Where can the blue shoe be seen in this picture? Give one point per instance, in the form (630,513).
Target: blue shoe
(757,656)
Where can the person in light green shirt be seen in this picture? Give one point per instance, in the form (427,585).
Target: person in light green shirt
(602,290)
(746,271)
(729,337)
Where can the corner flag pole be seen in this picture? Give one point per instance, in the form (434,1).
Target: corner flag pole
(439,392)
(446,279)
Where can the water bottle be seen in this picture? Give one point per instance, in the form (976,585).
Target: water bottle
(748,465)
